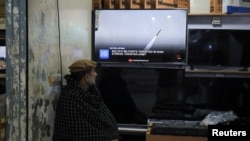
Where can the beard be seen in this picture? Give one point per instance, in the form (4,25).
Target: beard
(92,81)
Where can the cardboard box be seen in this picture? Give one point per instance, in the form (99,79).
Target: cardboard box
(161,4)
(184,4)
(108,4)
(2,23)
(145,4)
(199,6)
(240,3)
(237,9)
(132,4)
(119,4)
(216,6)
(96,4)
(235,6)
(2,8)
(135,4)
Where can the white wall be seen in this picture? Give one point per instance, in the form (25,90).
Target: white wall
(75,28)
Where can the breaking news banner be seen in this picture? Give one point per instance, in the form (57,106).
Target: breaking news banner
(218,132)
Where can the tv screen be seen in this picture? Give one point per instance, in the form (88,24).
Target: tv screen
(134,94)
(2,52)
(219,48)
(140,36)
(2,58)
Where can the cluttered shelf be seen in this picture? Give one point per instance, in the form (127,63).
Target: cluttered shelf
(238,21)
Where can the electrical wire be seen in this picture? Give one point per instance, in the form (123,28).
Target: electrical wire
(59,38)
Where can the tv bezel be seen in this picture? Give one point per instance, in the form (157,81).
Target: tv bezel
(169,64)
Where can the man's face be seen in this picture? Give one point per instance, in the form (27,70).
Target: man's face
(92,77)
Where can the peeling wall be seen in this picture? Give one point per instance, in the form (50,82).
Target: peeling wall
(42,40)
(53,44)
(44,59)
(16,63)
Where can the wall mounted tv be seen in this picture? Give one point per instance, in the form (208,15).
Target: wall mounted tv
(219,48)
(140,37)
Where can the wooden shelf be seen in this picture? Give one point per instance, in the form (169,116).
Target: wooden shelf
(150,137)
(218,73)
(227,21)
(220,14)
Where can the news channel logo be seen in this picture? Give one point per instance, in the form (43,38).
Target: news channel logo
(104,54)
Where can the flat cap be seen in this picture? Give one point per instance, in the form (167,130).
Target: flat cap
(82,65)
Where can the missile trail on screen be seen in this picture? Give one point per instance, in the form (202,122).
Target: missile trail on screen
(151,42)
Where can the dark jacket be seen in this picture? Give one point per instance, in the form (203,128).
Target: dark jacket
(82,115)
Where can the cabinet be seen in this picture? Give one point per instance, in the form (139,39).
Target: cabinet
(174,138)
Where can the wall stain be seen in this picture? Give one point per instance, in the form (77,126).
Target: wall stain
(31,55)
(39,120)
(46,104)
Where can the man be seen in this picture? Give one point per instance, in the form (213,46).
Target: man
(81,114)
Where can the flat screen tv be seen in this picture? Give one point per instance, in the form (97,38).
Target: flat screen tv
(140,37)
(134,94)
(2,52)
(2,58)
(219,48)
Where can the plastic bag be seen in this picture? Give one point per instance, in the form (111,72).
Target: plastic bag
(217,117)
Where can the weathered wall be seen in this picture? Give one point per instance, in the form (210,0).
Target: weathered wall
(16,63)
(43,60)
(53,43)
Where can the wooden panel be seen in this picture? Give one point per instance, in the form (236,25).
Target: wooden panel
(150,137)
(2,8)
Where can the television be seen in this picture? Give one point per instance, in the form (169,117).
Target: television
(212,48)
(2,59)
(2,52)
(134,94)
(140,37)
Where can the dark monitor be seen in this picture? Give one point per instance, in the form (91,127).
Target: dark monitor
(219,48)
(134,94)
(140,37)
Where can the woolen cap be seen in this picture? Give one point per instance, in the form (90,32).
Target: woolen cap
(82,65)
